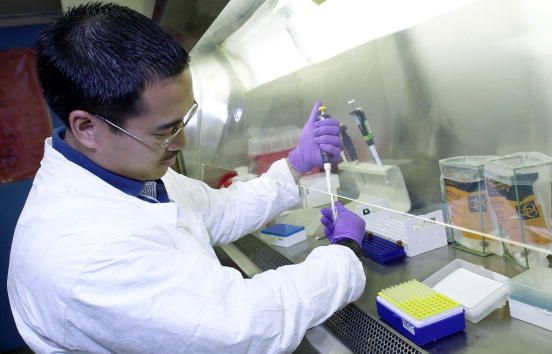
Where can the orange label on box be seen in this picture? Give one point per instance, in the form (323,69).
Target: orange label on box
(468,207)
(523,221)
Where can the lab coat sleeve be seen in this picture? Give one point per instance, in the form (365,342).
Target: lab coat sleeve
(135,297)
(230,213)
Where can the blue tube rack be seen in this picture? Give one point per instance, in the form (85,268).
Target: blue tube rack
(381,250)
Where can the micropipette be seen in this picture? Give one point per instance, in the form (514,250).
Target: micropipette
(327,166)
(360,119)
(349,148)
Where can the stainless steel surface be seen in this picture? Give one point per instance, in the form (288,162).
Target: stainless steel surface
(352,327)
(497,333)
(322,341)
(245,264)
(473,81)
(317,339)
(188,20)
(220,95)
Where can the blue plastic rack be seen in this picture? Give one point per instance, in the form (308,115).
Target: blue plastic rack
(381,250)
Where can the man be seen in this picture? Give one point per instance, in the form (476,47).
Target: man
(113,250)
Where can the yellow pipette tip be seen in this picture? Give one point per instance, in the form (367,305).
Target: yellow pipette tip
(322,109)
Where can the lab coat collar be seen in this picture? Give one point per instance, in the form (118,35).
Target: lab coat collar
(129,186)
(70,178)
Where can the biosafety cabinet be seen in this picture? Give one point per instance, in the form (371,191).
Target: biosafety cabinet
(445,119)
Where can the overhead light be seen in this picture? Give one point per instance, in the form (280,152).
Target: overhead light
(287,35)
(262,49)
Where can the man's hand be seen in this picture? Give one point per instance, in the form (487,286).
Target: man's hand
(316,135)
(347,226)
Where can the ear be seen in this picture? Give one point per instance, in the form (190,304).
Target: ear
(84,127)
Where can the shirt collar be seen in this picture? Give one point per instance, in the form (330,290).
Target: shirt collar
(127,185)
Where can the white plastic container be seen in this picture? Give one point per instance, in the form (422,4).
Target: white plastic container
(531,314)
(531,297)
(417,235)
(479,290)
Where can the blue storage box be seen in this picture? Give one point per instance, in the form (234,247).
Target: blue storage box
(283,235)
(381,250)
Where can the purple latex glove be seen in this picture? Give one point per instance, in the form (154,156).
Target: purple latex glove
(316,135)
(347,225)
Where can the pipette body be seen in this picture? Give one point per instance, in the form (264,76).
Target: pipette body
(327,166)
(348,145)
(360,119)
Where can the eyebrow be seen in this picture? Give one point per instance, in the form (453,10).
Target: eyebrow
(169,125)
(177,120)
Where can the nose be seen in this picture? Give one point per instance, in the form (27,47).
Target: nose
(179,142)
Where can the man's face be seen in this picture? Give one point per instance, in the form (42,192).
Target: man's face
(165,104)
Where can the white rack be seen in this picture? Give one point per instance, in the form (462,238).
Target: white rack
(417,235)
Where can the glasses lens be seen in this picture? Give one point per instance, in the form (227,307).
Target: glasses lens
(170,139)
(185,119)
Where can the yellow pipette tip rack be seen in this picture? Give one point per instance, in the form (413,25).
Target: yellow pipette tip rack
(417,299)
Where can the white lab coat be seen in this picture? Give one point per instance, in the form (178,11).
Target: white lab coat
(93,269)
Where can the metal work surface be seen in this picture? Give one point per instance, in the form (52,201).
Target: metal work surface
(497,333)
(474,81)
(355,329)
(364,334)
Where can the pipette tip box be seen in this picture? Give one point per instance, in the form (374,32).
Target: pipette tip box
(530,297)
(283,235)
(479,290)
(420,313)
(381,250)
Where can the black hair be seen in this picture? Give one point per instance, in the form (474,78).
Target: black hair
(100,57)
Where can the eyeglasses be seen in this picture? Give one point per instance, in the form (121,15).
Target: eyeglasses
(166,141)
